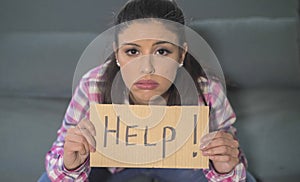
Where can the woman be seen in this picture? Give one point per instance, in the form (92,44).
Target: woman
(149,67)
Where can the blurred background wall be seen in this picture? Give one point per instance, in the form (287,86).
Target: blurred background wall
(38,37)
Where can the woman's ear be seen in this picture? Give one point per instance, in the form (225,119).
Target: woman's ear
(183,53)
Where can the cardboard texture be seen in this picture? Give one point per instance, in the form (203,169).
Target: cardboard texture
(149,136)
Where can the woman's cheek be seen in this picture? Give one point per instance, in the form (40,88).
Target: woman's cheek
(166,68)
(130,71)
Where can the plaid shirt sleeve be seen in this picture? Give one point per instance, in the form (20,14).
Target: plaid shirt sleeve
(222,118)
(78,108)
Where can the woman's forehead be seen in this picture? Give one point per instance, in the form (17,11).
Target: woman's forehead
(148,30)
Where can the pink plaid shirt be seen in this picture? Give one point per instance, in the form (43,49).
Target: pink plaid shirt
(221,118)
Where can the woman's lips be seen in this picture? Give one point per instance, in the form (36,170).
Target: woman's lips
(146,84)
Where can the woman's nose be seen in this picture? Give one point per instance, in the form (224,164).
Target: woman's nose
(146,65)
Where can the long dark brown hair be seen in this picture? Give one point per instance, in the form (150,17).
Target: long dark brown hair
(161,9)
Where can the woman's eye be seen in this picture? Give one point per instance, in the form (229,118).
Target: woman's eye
(132,52)
(163,52)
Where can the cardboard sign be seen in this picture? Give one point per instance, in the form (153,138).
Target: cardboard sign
(149,136)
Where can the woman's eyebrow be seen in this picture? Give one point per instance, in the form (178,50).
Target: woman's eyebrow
(132,44)
(163,42)
(156,43)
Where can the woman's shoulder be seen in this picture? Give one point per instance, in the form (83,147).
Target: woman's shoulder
(214,90)
(96,74)
(211,85)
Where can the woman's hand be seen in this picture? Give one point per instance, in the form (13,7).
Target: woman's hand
(79,142)
(222,150)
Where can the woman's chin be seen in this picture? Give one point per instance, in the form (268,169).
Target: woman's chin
(150,100)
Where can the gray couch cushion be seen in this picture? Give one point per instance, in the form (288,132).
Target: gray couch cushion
(28,129)
(40,64)
(268,129)
(77,15)
(255,52)
(206,9)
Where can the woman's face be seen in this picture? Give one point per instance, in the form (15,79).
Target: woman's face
(149,57)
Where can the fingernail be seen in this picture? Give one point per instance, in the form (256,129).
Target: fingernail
(202,146)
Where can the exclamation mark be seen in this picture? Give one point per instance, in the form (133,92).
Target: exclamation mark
(195,134)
